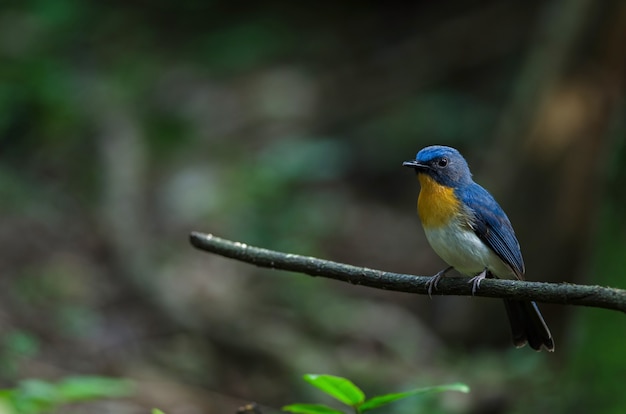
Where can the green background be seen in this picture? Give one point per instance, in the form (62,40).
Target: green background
(124,125)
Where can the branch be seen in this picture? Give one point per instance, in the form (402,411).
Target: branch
(560,293)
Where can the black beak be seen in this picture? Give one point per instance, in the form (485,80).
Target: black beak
(416,165)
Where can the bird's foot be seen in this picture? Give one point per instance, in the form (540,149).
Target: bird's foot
(434,281)
(475,281)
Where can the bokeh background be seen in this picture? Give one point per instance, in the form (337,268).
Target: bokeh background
(124,125)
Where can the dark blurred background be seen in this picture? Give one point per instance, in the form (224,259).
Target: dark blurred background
(124,125)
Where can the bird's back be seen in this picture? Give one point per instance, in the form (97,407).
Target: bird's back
(492,226)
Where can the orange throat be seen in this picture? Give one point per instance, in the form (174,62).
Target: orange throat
(437,204)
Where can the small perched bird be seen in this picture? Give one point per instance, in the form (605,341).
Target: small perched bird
(468,229)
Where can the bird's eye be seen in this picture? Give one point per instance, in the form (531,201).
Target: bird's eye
(443,162)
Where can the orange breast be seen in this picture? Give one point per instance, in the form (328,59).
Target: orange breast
(436,204)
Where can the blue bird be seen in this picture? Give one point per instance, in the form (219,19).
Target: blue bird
(468,229)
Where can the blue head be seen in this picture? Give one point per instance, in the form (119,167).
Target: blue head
(443,164)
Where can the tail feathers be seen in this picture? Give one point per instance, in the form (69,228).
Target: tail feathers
(527,325)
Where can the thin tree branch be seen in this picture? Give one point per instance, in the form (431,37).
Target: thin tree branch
(559,293)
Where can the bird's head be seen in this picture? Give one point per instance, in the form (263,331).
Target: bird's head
(443,164)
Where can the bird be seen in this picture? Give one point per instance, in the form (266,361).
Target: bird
(469,230)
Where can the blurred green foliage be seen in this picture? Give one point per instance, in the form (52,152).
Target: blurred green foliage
(124,125)
(17,346)
(37,396)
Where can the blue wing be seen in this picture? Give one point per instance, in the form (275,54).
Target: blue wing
(493,227)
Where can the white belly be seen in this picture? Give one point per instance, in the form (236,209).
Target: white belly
(461,248)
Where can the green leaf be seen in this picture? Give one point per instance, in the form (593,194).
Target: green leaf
(381,400)
(37,396)
(33,396)
(6,407)
(88,388)
(311,409)
(340,388)
(157,411)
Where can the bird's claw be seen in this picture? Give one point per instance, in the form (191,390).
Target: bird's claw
(434,281)
(475,281)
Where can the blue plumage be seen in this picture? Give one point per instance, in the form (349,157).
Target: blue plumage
(487,219)
(456,171)
(492,226)
(469,230)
